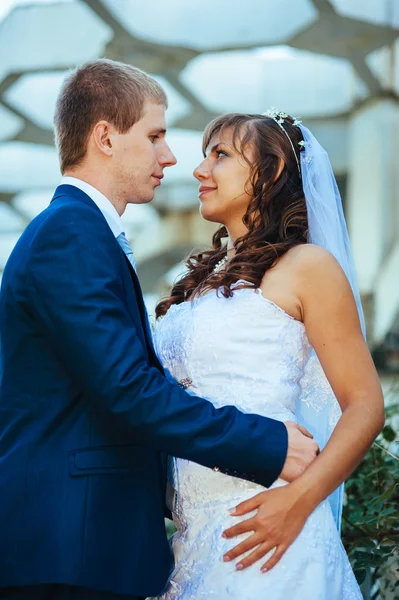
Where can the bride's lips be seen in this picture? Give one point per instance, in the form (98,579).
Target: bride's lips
(205,189)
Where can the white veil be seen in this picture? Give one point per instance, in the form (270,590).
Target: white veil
(319,410)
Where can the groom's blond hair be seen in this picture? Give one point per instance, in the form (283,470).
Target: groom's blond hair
(100,89)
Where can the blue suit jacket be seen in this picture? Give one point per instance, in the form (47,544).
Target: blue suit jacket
(87,416)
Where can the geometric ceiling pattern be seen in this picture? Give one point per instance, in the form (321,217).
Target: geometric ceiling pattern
(315,58)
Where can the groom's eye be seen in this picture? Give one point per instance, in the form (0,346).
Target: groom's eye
(153,138)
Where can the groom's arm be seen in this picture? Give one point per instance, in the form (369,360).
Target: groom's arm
(80,299)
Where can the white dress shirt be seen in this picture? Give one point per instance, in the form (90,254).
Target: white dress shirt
(108,210)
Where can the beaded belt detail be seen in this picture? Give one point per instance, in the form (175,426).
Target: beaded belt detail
(185,383)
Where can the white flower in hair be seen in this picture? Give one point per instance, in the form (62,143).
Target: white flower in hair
(276,115)
(271,112)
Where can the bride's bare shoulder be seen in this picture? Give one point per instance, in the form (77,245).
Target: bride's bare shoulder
(308,257)
(317,272)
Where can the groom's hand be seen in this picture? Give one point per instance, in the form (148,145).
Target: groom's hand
(280,517)
(302,451)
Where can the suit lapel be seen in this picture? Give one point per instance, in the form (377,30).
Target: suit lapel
(67,191)
(143,312)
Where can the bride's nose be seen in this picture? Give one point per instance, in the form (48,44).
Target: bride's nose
(201,172)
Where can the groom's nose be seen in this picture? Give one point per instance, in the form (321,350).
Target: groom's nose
(167,158)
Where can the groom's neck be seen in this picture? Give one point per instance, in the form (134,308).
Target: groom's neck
(99,180)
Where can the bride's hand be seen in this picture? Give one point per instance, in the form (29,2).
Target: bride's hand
(279,519)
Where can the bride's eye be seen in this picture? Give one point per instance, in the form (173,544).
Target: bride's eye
(221,153)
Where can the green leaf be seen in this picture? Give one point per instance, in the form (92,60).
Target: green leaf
(360,575)
(388,511)
(386,550)
(388,433)
(386,494)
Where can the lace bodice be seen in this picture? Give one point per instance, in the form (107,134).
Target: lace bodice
(243,350)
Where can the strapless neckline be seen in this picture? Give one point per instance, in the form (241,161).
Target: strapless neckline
(255,290)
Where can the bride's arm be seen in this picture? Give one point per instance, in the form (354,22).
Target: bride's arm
(332,325)
(333,329)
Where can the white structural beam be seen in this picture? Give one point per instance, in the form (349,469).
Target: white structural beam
(386,300)
(373,187)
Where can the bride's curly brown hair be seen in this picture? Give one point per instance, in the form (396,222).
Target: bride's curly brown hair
(276,217)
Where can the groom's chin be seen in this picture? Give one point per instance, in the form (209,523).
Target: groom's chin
(148,196)
(142,200)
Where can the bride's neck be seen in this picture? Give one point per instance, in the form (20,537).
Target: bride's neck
(234,232)
(230,248)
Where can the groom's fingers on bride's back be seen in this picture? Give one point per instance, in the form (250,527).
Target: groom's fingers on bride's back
(293,425)
(305,431)
(301,452)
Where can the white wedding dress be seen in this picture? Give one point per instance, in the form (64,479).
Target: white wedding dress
(243,351)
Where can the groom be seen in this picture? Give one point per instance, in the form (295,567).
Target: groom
(86,414)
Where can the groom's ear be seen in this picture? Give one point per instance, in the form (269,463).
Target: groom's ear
(102,137)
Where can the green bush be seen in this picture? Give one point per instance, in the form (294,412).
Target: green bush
(370,526)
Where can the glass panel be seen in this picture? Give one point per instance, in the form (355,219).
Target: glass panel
(178,107)
(7,243)
(381,62)
(35,96)
(292,80)
(138,217)
(7,5)
(186,145)
(381,12)
(11,125)
(10,220)
(26,166)
(174,274)
(334,137)
(32,203)
(46,31)
(211,24)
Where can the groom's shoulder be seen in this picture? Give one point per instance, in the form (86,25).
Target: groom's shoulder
(70,210)
(69,200)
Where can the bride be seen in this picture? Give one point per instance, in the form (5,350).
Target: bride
(269,320)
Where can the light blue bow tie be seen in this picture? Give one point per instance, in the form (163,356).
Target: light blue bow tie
(124,244)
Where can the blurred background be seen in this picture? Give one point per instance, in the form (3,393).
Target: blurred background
(334,63)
